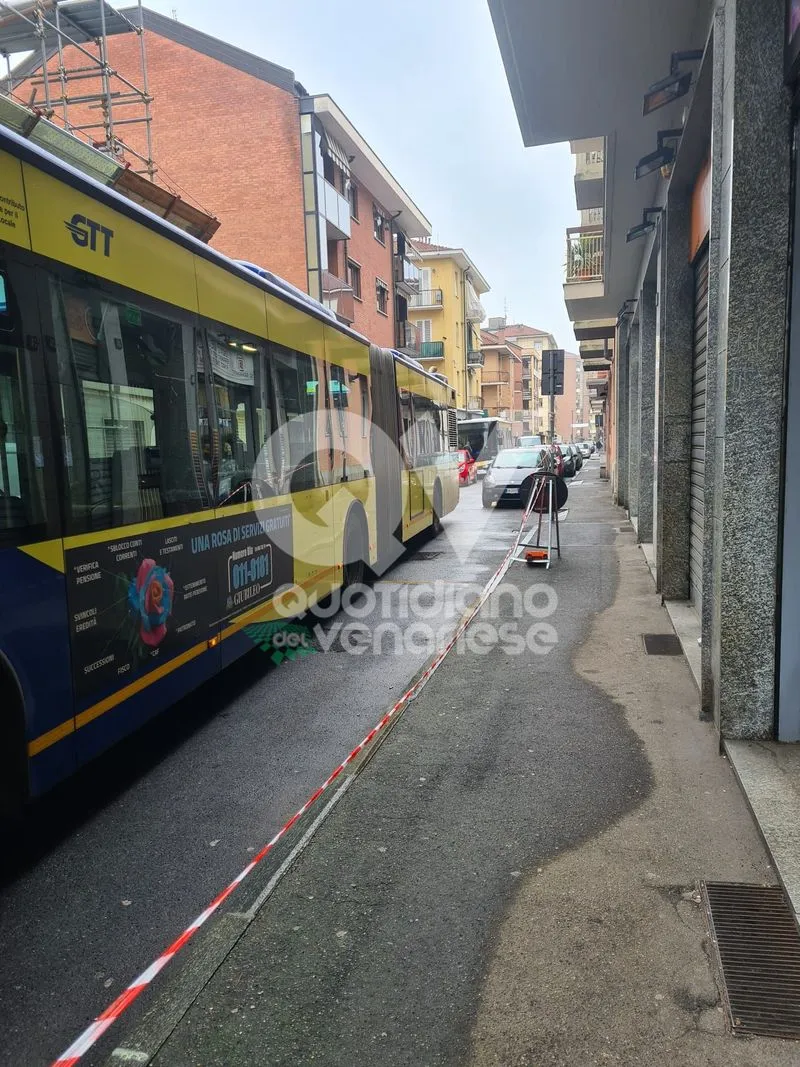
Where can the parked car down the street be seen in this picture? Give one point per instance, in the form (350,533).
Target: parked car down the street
(569,468)
(578,455)
(508,480)
(557,458)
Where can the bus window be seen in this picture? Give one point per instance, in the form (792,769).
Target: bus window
(129,396)
(21,460)
(407,442)
(428,433)
(350,400)
(244,417)
(299,400)
(365,412)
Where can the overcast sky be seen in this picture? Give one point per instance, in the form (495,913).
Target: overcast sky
(423,82)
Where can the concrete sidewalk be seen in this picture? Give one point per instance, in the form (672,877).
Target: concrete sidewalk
(509,879)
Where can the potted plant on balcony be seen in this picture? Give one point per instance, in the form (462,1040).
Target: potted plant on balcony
(584,258)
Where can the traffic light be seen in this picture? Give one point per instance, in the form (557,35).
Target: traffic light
(553,372)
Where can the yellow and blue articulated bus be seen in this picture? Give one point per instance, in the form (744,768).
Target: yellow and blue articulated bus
(183,441)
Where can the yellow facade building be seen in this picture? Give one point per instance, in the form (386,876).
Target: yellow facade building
(448,313)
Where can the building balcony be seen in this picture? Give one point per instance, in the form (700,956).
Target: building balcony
(409,339)
(584,254)
(493,376)
(595,354)
(338,296)
(335,209)
(590,179)
(406,276)
(585,264)
(431,350)
(475,358)
(426,298)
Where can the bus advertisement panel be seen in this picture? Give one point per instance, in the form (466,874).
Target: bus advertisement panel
(143,599)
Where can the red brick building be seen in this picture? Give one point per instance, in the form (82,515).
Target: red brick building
(296,188)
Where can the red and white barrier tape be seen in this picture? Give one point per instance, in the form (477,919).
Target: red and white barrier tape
(96,1029)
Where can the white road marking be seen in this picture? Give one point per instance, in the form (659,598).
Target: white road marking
(267,891)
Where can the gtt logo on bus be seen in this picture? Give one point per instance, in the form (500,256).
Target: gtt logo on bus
(84,232)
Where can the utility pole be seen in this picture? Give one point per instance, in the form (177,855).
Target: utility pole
(553,382)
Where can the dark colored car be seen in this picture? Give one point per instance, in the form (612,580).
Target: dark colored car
(558,458)
(569,468)
(576,452)
(508,480)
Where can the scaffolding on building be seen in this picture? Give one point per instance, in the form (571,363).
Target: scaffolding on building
(51,29)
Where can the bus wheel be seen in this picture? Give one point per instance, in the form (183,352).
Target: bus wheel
(354,563)
(436,518)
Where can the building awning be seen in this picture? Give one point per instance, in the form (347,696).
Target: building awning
(367,168)
(475,309)
(338,154)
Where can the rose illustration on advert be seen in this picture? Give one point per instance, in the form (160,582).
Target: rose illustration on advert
(150,601)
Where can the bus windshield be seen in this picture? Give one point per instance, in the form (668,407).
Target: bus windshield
(484,438)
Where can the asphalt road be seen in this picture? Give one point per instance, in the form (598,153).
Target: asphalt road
(374,947)
(111,867)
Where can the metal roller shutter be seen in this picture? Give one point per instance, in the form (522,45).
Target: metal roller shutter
(698,458)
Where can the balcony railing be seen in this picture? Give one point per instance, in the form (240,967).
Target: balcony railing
(431,350)
(406,275)
(338,296)
(335,208)
(584,253)
(496,377)
(426,298)
(409,338)
(475,358)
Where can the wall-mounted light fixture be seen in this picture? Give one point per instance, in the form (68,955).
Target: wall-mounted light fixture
(674,86)
(647,225)
(662,158)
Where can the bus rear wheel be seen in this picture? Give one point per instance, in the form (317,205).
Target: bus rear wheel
(436,516)
(355,554)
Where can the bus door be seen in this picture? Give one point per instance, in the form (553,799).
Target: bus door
(349,421)
(34,629)
(409,444)
(304,439)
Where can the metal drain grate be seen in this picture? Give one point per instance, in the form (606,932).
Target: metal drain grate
(757,946)
(661,645)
